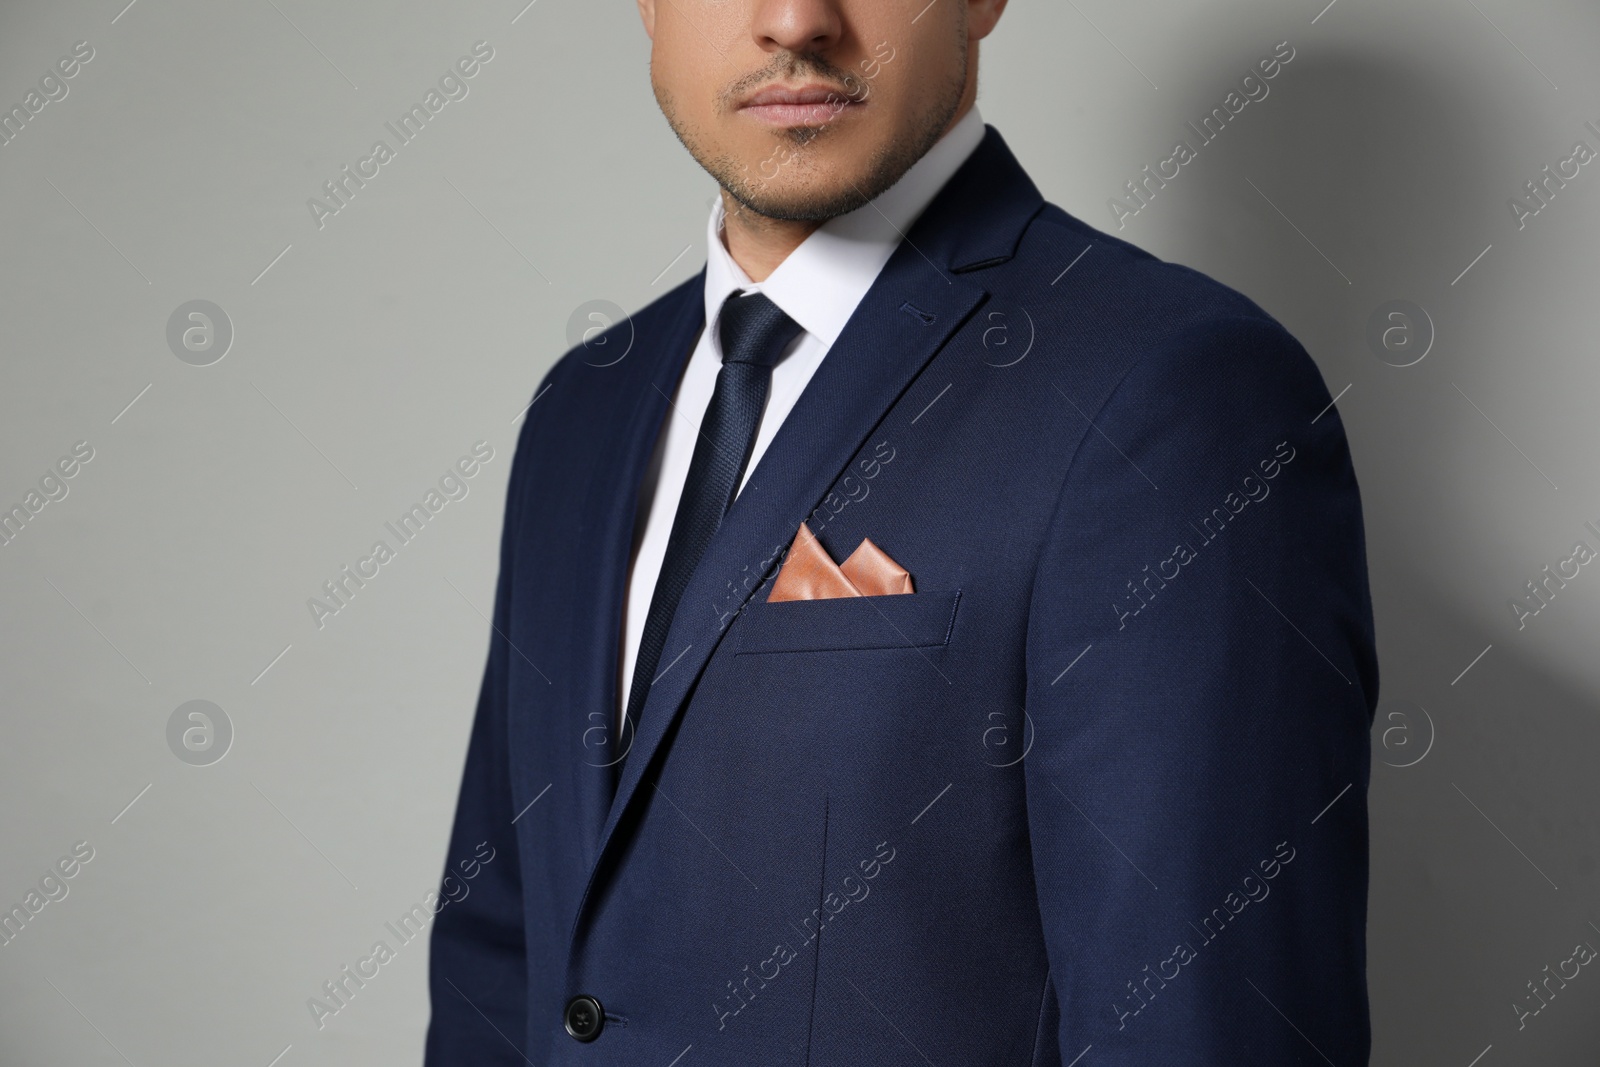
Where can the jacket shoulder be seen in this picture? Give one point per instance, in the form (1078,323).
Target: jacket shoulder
(1117,273)
(1110,319)
(1095,295)
(602,334)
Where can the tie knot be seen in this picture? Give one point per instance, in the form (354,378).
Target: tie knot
(754,330)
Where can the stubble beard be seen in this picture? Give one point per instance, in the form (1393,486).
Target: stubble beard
(819,201)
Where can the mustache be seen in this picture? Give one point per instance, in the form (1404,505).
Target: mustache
(792,66)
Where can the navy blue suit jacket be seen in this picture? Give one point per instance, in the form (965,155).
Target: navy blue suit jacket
(1098,784)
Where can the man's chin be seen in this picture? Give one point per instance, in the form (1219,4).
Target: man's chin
(800,205)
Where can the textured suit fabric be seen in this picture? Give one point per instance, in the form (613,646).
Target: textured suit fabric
(1098,783)
(754,333)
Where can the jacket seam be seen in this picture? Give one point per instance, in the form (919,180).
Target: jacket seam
(816,951)
(1054,522)
(1038,1031)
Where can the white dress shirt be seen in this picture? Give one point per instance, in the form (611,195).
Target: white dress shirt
(819,286)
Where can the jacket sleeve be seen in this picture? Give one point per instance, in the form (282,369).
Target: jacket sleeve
(477,970)
(1201,683)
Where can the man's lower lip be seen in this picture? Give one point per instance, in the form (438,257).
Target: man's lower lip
(798,114)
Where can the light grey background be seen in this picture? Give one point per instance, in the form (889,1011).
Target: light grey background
(370,354)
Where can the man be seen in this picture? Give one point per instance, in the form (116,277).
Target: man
(936,633)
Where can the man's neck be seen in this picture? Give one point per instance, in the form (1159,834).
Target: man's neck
(758,243)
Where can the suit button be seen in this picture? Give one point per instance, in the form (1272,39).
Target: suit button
(583,1017)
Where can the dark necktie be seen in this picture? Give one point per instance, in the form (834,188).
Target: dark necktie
(754,333)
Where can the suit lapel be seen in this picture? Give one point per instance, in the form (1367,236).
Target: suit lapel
(635,420)
(916,304)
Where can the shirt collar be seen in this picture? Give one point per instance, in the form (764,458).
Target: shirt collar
(822,281)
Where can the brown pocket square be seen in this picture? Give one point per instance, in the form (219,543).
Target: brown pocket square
(809,573)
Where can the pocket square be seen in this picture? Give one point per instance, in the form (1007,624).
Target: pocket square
(809,573)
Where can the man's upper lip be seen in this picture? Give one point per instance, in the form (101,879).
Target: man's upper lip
(814,93)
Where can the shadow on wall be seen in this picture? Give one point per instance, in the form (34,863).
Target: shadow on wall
(1398,179)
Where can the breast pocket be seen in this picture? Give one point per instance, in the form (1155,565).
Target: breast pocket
(905,620)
